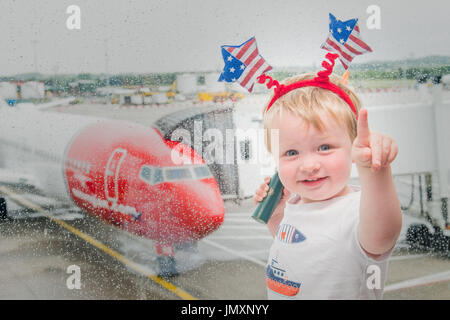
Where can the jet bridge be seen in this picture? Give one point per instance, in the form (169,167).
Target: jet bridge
(207,127)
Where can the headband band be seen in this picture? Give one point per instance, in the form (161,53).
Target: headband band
(322,81)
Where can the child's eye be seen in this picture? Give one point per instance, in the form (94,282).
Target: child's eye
(324,147)
(291,153)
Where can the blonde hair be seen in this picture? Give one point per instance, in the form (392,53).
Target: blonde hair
(311,104)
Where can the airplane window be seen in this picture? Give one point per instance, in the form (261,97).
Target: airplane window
(202,172)
(151,175)
(146,173)
(157,176)
(154,175)
(178,174)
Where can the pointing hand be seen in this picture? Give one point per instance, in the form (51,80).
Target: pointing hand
(372,149)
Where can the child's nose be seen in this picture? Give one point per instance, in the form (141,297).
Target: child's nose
(309,165)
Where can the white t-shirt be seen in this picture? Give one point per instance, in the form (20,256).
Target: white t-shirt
(316,253)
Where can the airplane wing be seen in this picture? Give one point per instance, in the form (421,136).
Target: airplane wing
(54,103)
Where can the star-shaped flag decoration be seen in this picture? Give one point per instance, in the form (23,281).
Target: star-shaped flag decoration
(345,40)
(243,64)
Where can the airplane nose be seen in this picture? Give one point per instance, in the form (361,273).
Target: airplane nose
(204,210)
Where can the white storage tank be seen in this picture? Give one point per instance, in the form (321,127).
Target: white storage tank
(187,83)
(32,90)
(8,90)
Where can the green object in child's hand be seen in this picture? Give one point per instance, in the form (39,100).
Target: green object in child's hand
(265,208)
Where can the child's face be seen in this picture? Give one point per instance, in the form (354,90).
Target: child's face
(306,153)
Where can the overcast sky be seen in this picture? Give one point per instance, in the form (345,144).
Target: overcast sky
(185,35)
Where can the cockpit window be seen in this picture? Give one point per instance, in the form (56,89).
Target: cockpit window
(146,173)
(177,174)
(202,172)
(154,175)
(151,175)
(158,176)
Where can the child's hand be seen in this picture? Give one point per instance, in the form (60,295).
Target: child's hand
(278,212)
(261,192)
(372,149)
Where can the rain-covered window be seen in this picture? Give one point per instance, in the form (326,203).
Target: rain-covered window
(151,175)
(202,172)
(158,175)
(177,174)
(89,89)
(146,173)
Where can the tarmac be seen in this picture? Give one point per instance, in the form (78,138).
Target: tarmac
(38,256)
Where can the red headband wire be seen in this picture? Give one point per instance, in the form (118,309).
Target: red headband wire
(322,81)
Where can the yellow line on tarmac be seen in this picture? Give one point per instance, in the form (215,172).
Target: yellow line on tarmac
(136,267)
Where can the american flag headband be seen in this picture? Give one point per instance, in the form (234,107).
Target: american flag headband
(322,81)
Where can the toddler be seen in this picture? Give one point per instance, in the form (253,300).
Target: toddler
(331,240)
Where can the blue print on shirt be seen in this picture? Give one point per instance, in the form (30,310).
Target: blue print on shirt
(289,234)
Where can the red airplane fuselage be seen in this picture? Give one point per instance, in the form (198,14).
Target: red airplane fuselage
(125,175)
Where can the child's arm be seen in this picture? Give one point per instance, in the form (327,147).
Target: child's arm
(380,211)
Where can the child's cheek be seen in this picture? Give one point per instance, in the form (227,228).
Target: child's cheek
(287,173)
(340,165)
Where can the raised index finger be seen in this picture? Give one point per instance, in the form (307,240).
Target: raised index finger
(363,132)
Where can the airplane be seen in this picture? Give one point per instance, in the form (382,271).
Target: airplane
(119,171)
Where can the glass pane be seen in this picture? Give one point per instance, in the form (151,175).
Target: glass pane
(178,174)
(146,173)
(157,176)
(202,172)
